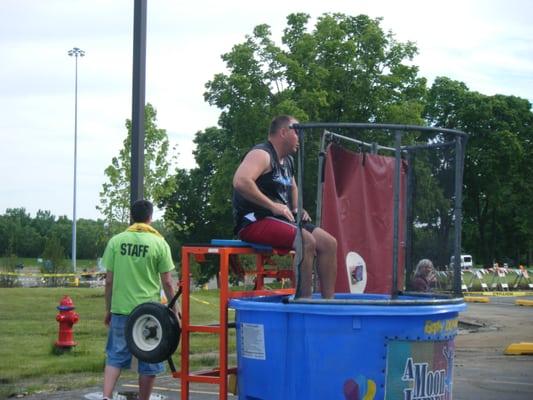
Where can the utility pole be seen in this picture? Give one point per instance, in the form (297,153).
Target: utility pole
(75,52)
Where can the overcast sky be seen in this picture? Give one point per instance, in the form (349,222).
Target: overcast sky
(487,44)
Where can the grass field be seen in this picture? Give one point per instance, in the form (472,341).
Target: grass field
(29,362)
(28,330)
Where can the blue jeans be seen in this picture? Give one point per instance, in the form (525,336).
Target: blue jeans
(118,354)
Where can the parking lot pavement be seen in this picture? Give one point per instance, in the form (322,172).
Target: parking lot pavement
(482,371)
(166,388)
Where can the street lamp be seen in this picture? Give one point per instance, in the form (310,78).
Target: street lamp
(76,52)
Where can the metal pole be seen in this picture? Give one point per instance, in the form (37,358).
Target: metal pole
(409,224)
(299,236)
(320,177)
(348,125)
(458,213)
(75,52)
(74,219)
(138,100)
(396,213)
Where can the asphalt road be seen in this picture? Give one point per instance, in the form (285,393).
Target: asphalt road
(481,370)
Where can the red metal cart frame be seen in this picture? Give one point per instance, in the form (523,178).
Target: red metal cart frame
(219,376)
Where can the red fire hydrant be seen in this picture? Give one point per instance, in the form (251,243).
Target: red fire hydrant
(66,318)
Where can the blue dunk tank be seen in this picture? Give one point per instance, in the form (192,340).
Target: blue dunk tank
(357,347)
(378,338)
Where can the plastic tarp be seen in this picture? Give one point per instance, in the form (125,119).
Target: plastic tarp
(357,210)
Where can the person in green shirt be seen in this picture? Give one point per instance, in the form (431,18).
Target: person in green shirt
(138,262)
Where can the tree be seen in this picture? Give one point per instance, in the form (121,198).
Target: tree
(24,236)
(91,239)
(197,211)
(17,233)
(43,221)
(115,194)
(497,171)
(344,69)
(62,229)
(55,254)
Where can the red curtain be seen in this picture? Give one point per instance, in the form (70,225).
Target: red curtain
(357,210)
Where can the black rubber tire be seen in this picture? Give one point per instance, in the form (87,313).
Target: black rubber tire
(152,332)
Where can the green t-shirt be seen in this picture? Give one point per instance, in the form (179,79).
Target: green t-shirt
(136,260)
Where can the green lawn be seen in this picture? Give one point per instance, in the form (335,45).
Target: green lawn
(29,330)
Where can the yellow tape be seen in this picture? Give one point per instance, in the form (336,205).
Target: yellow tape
(501,294)
(200,301)
(206,302)
(39,275)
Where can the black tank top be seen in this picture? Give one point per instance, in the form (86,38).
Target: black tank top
(275,184)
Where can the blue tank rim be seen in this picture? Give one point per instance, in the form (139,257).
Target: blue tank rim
(354,304)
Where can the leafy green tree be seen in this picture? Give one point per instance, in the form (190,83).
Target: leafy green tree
(55,254)
(346,69)
(190,216)
(343,69)
(62,229)
(497,172)
(170,237)
(90,238)
(43,222)
(199,207)
(29,242)
(5,236)
(18,232)
(24,236)
(115,194)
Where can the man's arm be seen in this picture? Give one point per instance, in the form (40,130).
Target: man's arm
(294,195)
(255,164)
(168,287)
(294,198)
(108,295)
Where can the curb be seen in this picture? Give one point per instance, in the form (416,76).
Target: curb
(500,294)
(476,299)
(519,349)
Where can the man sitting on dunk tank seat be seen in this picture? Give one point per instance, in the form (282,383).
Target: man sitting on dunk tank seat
(265,198)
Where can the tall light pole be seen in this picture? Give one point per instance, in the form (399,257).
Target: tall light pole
(76,52)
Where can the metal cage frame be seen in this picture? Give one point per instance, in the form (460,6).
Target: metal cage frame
(459,140)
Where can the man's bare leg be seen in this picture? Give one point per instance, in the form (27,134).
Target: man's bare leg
(111,375)
(326,250)
(146,384)
(306,270)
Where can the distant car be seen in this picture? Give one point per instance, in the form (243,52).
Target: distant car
(19,266)
(466,261)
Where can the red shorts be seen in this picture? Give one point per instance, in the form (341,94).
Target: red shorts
(272,231)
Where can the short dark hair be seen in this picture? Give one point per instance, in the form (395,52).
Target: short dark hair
(280,122)
(141,211)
